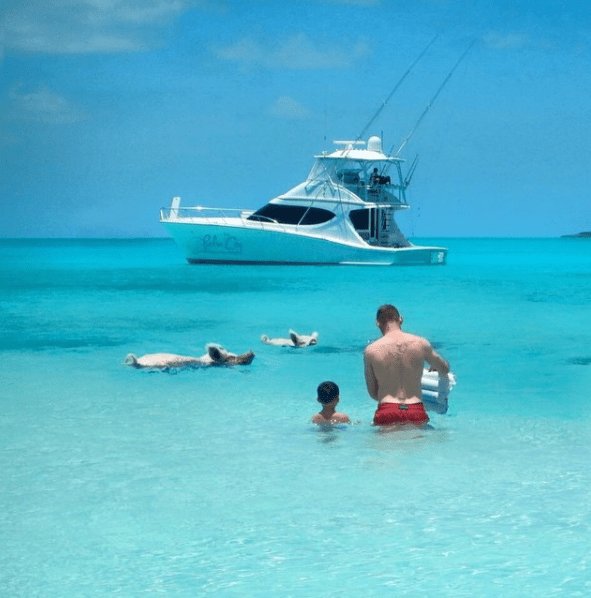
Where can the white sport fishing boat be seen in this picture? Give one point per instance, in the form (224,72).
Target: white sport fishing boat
(343,213)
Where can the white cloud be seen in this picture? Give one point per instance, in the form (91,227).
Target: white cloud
(504,41)
(43,105)
(116,12)
(83,26)
(296,52)
(287,107)
(358,2)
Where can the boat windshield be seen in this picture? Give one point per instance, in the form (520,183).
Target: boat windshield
(288,214)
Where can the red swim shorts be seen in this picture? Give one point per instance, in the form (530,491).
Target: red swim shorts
(396,413)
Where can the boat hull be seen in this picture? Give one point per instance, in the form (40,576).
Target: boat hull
(228,244)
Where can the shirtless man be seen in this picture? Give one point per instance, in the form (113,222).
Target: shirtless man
(393,371)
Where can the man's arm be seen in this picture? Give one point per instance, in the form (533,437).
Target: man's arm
(437,363)
(370,378)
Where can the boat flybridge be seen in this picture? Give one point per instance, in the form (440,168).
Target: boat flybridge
(343,213)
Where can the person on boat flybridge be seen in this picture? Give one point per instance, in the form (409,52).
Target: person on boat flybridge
(294,340)
(377,179)
(374,179)
(393,371)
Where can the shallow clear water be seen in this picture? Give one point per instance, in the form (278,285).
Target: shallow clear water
(212,481)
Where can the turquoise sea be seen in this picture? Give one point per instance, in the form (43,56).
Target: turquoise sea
(115,481)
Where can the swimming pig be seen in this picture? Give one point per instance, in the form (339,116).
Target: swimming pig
(294,340)
(216,355)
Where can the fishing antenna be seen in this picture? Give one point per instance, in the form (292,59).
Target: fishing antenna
(395,88)
(430,104)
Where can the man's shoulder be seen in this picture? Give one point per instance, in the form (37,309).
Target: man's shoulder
(373,346)
(419,340)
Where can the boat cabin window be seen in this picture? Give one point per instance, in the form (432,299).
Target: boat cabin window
(360,219)
(365,222)
(283,214)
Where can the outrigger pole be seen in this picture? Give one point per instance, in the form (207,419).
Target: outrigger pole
(394,90)
(430,104)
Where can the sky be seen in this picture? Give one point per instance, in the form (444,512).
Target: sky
(109,108)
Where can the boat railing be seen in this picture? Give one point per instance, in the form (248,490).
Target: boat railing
(381,192)
(227,216)
(198,213)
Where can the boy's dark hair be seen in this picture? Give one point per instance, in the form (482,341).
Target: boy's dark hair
(327,392)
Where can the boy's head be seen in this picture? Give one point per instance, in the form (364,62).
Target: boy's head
(327,392)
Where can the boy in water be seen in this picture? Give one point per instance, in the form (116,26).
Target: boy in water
(328,397)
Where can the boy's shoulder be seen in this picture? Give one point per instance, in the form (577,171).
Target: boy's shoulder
(319,419)
(340,418)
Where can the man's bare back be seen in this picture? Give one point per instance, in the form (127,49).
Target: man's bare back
(394,364)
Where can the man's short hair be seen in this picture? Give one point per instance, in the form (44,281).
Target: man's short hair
(387,313)
(327,392)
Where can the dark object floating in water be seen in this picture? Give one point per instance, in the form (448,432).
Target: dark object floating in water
(579,360)
(586,234)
